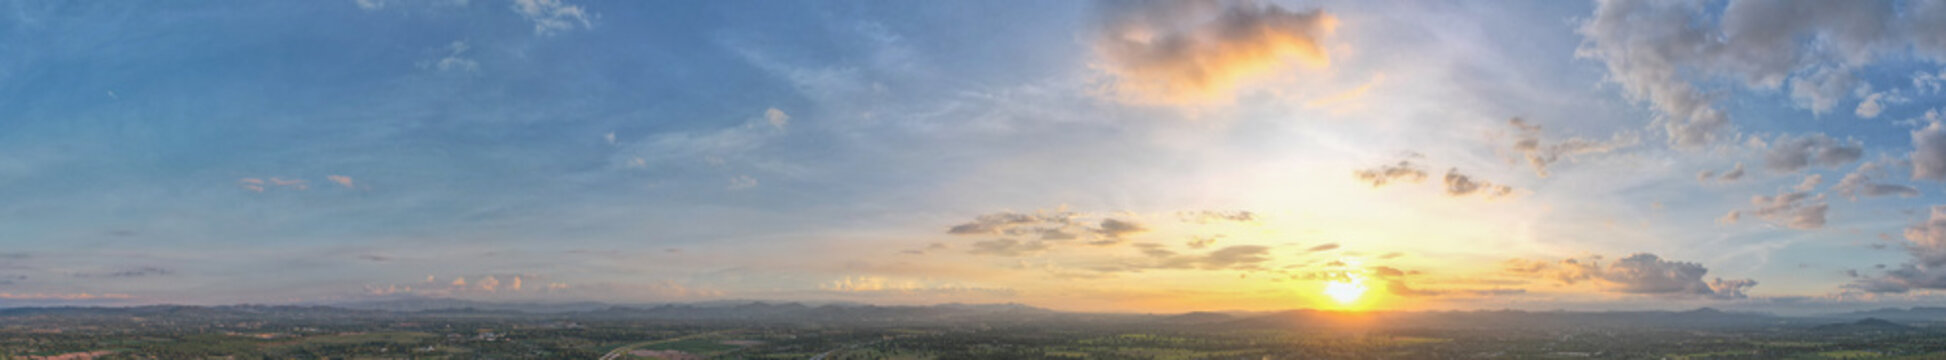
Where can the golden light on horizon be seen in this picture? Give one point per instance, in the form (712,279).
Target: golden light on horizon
(1346,291)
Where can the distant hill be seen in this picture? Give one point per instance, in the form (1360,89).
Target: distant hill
(1915,314)
(1868,324)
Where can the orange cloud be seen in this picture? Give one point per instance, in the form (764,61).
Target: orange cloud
(1200,52)
(340,179)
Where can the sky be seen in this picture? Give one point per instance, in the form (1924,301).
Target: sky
(1117,156)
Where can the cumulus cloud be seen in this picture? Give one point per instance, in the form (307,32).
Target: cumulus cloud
(550,16)
(1007,247)
(1662,53)
(1404,171)
(1861,183)
(1795,209)
(1641,273)
(1458,184)
(1540,153)
(1875,103)
(1188,52)
(1929,152)
(1788,153)
(1926,245)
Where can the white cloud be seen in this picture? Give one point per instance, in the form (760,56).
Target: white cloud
(777,118)
(550,16)
(741,182)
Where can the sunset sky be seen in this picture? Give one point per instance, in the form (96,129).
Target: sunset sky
(1088,156)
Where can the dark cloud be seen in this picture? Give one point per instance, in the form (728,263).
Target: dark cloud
(1541,154)
(1325,247)
(144,271)
(1007,247)
(1640,273)
(1207,216)
(1788,153)
(1727,176)
(1014,224)
(1861,183)
(1404,170)
(1239,257)
(1929,153)
(1458,184)
(1200,51)
(1797,210)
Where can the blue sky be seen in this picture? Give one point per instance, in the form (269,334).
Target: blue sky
(1114,156)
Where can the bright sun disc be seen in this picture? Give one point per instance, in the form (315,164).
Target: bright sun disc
(1345,291)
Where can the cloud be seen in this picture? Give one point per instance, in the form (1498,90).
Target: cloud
(1662,52)
(64,296)
(1198,242)
(1404,170)
(1458,184)
(1541,154)
(1874,104)
(1210,216)
(369,5)
(1797,210)
(550,16)
(261,184)
(1860,183)
(777,118)
(453,60)
(1192,52)
(1325,247)
(1641,273)
(1787,153)
(1017,224)
(340,179)
(1727,176)
(1112,230)
(144,271)
(1926,245)
(876,285)
(1929,152)
(1051,226)
(1007,247)
(741,182)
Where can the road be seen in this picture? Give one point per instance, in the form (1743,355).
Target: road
(620,351)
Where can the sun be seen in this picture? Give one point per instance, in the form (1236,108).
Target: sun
(1345,291)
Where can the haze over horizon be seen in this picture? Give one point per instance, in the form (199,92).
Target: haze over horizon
(1114,156)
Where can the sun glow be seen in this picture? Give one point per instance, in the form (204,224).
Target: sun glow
(1345,291)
